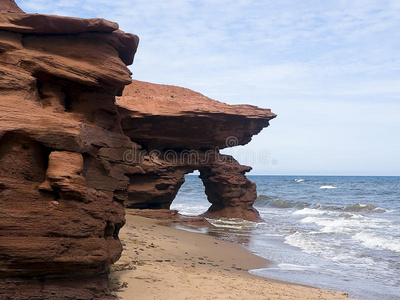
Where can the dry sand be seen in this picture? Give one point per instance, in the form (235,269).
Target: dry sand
(161,262)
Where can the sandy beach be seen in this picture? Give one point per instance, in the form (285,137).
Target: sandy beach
(161,262)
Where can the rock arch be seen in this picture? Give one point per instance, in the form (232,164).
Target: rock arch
(228,190)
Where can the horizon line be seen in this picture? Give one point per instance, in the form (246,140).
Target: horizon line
(299,175)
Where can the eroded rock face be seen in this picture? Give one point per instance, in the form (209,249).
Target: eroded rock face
(60,184)
(181,131)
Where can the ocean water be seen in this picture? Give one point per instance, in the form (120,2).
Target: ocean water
(333,232)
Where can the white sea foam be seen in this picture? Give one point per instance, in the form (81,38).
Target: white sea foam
(329,250)
(299,180)
(333,225)
(371,240)
(189,213)
(315,220)
(304,242)
(272,234)
(293,267)
(350,224)
(233,223)
(328,187)
(309,211)
(340,226)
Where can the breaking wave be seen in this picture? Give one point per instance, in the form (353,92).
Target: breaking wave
(361,207)
(268,201)
(264,201)
(371,240)
(328,187)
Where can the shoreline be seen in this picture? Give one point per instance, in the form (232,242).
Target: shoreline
(161,262)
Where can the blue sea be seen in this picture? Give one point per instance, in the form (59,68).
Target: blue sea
(333,232)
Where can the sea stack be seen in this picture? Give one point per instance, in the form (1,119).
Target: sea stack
(71,156)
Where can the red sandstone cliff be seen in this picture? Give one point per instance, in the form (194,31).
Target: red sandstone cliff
(60,210)
(71,156)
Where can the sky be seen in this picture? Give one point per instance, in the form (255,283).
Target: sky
(330,70)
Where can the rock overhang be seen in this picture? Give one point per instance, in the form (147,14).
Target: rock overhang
(149,112)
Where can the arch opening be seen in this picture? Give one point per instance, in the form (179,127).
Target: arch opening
(191,199)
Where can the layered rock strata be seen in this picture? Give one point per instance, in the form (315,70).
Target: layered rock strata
(60,184)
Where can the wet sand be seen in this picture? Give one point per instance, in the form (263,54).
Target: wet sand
(160,262)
